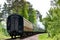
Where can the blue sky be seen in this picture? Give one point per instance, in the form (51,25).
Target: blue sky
(42,5)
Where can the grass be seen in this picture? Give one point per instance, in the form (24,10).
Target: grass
(2,36)
(45,37)
(3,33)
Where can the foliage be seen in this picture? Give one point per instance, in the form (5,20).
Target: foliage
(3,32)
(52,21)
(24,9)
(32,16)
(45,37)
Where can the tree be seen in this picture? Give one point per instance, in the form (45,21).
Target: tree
(24,9)
(5,11)
(52,22)
(32,16)
(39,15)
(20,7)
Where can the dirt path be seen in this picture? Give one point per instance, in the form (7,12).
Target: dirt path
(35,37)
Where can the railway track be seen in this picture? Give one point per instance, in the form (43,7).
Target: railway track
(35,37)
(27,36)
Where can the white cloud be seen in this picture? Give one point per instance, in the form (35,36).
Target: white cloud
(42,5)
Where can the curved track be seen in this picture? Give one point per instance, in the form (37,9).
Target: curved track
(27,36)
(35,37)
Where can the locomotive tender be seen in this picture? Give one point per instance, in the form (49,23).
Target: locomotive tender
(17,25)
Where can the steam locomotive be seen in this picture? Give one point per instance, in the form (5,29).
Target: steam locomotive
(18,25)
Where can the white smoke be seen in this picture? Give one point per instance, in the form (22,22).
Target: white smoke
(39,24)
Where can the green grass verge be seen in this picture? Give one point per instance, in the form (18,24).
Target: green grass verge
(3,33)
(2,36)
(45,37)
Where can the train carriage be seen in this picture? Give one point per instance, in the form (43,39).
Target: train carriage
(17,25)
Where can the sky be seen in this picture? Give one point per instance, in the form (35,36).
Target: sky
(41,5)
(2,2)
